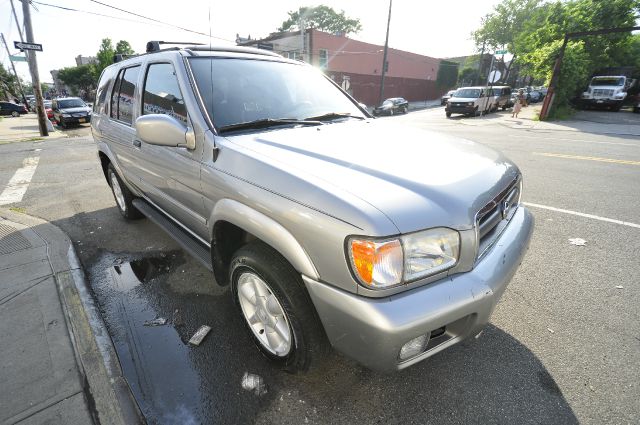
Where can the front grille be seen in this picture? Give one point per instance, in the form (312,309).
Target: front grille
(493,218)
(602,92)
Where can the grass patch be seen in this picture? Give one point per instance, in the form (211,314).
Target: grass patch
(18,210)
(561,113)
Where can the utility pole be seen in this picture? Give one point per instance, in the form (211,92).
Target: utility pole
(384,58)
(13,9)
(24,98)
(33,67)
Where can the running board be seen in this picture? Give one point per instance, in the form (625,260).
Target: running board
(186,241)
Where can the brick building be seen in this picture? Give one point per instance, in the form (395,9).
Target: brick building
(357,66)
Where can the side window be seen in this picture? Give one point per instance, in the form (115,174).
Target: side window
(126,95)
(99,105)
(114,96)
(162,93)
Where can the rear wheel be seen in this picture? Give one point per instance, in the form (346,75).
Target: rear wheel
(123,196)
(448,114)
(276,308)
(15,114)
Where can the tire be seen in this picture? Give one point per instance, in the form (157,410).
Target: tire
(390,111)
(448,114)
(616,108)
(15,114)
(504,107)
(122,195)
(307,343)
(405,109)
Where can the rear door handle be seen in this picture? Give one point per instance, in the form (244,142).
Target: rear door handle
(137,143)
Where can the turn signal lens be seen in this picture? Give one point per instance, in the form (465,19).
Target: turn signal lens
(377,264)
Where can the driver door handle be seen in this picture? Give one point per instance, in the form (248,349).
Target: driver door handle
(137,143)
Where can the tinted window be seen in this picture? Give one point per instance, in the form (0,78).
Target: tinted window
(127,91)
(101,93)
(162,94)
(114,97)
(71,103)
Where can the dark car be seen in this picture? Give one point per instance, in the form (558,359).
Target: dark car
(70,110)
(394,105)
(15,110)
(444,99)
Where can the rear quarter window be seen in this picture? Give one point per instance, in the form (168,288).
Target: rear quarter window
(122,96)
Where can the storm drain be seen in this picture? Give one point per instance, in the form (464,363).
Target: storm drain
(12,240)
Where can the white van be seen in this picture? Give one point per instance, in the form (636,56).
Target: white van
(471,101)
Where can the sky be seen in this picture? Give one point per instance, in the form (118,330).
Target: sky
(429,27)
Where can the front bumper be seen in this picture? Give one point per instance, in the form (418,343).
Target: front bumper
(76,120)
(454,109)
(601,102)
(372,330)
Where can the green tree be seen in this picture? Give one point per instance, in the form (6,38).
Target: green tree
(323,18)
(535,37)
(104,56)
(447,74)
(81,79)
(8,88)
(123,47)
(468,76)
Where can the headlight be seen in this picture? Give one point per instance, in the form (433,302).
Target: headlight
(470,103)
(382,264)
(66,115)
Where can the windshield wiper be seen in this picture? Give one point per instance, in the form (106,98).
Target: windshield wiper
(266,123)
(332,116)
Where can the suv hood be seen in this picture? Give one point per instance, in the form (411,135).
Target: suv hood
(75,110)
(417,178)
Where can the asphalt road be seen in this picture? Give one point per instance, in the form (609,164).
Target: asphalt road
(563,345)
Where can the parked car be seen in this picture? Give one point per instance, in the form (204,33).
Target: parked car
(395,105)
(502,97)
(387,242)
(70,110)
(13,109)
(471,101)
(47,108)
(444,99)
(535,96)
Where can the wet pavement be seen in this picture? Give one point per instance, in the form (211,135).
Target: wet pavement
(175,382)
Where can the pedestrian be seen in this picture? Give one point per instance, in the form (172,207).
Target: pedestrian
(518,105)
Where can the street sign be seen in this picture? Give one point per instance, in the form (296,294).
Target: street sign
(27,46)
(494,76)
(18,58)
(501,52)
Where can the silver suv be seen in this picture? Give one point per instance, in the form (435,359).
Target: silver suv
(388,243)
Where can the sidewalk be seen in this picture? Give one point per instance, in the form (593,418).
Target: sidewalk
(527,120)
(423,104)
(58,364)
(23,128)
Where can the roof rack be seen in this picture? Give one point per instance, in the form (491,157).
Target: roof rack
(234,49)
(154,46)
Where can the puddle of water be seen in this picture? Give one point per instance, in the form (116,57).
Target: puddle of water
(174,382)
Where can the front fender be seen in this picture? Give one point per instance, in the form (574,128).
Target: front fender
(267,230)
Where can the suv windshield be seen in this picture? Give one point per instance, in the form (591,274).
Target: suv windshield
(239,91)
(468,93)
(607,82)
(71,103)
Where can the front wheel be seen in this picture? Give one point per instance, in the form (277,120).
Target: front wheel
(405,109)
(276,308)
(122,194)
(448,114)
(15,114)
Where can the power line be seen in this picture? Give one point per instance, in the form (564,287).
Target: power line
(91,13)
(158,21)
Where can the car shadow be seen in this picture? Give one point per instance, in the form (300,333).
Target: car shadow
(494,379)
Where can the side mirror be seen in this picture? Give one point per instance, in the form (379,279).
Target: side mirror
(164,130)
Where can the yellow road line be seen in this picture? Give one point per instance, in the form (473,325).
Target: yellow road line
(588,158)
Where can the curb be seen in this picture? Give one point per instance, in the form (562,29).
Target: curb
(110,398)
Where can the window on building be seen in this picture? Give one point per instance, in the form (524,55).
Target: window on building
(324,58)
(162,93)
